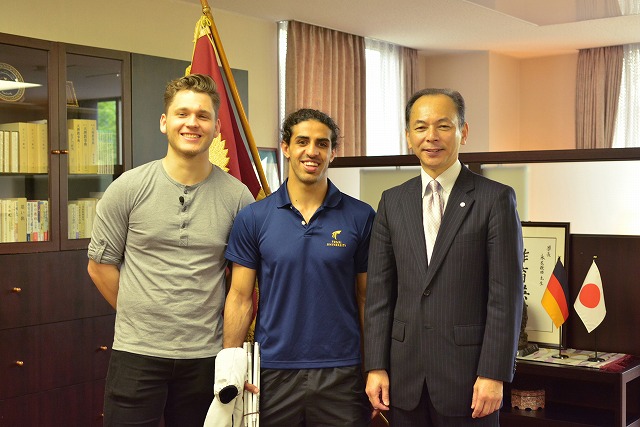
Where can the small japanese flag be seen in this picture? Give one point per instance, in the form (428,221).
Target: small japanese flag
(590,301)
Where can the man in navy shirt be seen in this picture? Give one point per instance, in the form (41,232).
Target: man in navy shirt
(307,244)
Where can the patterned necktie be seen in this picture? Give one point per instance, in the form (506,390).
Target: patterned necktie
(435,207)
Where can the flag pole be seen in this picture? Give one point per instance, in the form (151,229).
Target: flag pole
(560,355)
(595,357)
(206,10)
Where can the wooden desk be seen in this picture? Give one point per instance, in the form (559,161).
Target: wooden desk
(576,396)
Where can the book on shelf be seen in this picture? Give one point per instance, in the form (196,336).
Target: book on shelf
(24,147)
(107,152)
(6,151)
(80,216)
(32,235)
(72,220)
(14,152)
(41,147)
(91,154)
(83,146)
(23,220)
(33,145)
(21,132)
(11,149)
(14,219)
(43,216)
(37,220)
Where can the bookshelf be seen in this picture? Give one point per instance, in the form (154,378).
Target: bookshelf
(63,140)
(56,330)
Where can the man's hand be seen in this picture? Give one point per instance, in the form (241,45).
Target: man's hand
(487,397)
(251,388)
(378,390)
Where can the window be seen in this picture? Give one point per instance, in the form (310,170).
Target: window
(384,92)
(627,131)
(385,99)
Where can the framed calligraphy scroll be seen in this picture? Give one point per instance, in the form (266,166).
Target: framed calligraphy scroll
(544,243)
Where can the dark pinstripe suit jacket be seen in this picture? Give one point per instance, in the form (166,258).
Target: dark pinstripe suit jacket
(457,318)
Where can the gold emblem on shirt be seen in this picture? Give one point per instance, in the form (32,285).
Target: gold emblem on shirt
(335,241)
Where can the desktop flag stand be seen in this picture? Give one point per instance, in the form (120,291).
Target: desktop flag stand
(589,304)
(554,301)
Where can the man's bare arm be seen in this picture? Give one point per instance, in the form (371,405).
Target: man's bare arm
(106,277)
(238,308)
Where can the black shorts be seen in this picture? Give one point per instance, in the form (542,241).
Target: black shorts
(313,397)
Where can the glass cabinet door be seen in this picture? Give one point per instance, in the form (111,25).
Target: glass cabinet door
(94,137)
(65,135)
(25,209)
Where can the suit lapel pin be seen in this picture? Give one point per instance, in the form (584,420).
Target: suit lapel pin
(462,204)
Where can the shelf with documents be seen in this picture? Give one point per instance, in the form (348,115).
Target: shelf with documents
(576,396)
(67,114)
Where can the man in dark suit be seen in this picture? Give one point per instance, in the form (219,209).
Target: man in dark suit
(443,314)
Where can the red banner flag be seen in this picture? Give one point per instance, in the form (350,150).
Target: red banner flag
(227,150)
(554,299)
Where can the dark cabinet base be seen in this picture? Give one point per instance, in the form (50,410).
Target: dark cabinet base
(75,406)
(576,396)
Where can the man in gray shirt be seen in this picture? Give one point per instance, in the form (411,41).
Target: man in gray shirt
(157,256)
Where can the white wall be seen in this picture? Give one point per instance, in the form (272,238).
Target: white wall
(593,197)
(504,103)
(160,28)
(547,102)
(468,73)
(512,104)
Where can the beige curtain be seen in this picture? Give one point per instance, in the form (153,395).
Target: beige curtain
(410,69)
(597,91)
(409,58)
(326,71)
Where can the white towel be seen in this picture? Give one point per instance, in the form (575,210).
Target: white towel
(231,371)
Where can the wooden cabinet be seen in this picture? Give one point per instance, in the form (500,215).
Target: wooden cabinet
(69,108)
(576,396)
(55,341)
(79,405)
(54,355)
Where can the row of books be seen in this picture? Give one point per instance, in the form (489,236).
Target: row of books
(23,220)
(24,145)
(91,151)
(80,215)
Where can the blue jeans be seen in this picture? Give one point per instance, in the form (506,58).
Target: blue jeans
(141,389)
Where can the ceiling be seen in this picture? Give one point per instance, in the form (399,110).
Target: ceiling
(510,27)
